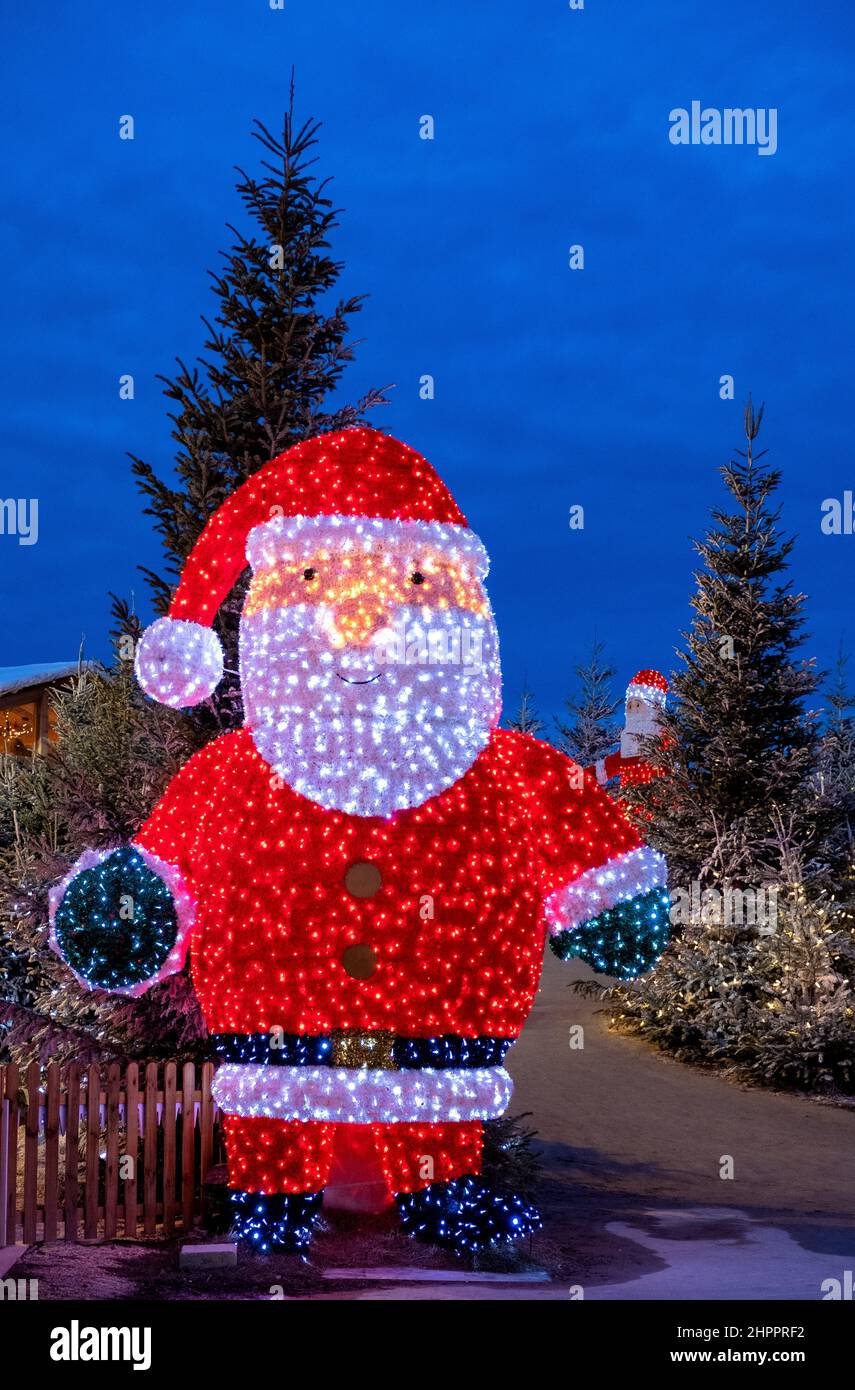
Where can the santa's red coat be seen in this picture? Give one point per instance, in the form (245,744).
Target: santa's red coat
(452,912)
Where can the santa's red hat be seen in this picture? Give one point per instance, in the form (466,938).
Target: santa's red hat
(313,493)
(648,685)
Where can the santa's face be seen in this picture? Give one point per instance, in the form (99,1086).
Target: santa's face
(642,721)
(641,715)
(369,663)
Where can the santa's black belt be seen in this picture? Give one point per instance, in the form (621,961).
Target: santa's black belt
(351,1047)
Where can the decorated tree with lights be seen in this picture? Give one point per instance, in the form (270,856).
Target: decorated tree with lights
(753,802)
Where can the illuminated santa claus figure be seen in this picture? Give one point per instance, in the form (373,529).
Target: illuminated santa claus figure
(366,872)
(645,705)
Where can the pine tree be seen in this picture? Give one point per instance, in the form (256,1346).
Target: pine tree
(740,741)
(115,752)
(835,791)
(275,352)
(751,800)
(836,761)
(593,731)
(527,720)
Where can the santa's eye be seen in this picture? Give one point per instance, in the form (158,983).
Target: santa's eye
(417,577)
(308,574)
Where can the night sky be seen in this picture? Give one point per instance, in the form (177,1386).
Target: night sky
(554,387)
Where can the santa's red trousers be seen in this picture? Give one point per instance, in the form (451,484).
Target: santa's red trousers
(361,1166)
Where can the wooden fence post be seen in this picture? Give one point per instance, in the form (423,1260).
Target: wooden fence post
(72,1150)
(93,1135)
(150,1152)
(31,1153)
(111,1180)
(169,1149)
(4,1160)
(51,1150)
(132,1136)
(13,1087)
(206,1131)
(188,1146)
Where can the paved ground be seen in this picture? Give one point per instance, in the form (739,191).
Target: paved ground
(634,1205)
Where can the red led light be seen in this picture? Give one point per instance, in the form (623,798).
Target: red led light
(457,925)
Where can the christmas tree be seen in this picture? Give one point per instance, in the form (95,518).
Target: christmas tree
(755,818)
(275,349)
(740,742)
(835,789)
(527,720)
(592,731)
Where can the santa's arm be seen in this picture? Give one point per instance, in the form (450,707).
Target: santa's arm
(606,769)
(605,895)
(121,918)
(614,916)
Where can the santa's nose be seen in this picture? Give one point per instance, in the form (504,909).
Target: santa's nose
(358,618)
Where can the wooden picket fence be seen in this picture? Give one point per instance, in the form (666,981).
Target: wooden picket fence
(94,1153)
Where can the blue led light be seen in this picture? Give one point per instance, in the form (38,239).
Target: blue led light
(117,922)
(625,941)
(466,1215)
(281,1221)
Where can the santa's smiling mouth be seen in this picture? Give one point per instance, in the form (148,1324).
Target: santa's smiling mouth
(350,680)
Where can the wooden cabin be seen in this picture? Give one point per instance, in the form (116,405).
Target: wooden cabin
(26,718)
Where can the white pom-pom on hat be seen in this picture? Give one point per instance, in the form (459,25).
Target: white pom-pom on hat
(179,663)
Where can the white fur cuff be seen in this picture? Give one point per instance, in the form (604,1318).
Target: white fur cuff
(597,890)
(350,1095)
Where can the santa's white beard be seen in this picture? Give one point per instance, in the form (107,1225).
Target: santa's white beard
(640,725)
(414,727)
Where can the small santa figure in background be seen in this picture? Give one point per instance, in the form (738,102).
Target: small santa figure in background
(645,704)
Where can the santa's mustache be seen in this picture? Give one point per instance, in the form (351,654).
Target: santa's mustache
(455,644)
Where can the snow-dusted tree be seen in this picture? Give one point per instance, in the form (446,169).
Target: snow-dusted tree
(591,730)
(741,743)
(527,720)
(753,802)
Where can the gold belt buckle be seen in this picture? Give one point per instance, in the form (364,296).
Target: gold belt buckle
(353,1048)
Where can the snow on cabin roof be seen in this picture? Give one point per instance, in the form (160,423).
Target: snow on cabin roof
(14,678)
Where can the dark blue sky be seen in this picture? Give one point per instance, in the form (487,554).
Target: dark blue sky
(553,387)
